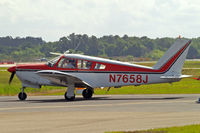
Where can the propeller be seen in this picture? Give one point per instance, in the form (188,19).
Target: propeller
(66,52)
(53,53)
(11,77)
(108,89)
(12,70)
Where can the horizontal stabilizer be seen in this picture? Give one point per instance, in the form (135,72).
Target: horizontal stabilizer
(175,76)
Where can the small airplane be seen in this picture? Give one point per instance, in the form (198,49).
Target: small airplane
(75,70)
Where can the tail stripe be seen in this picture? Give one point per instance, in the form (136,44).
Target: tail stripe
(171,61)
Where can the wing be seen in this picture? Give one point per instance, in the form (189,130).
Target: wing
(62,78)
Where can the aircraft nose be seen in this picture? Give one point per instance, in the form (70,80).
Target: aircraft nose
(12,69)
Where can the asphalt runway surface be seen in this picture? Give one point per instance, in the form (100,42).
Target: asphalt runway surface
(52,114)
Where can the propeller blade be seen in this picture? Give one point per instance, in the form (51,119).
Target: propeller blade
(67,52)
(11,77)
(55,53)
(77,46)
(108,89)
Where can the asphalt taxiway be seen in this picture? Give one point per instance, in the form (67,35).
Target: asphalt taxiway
(102,113)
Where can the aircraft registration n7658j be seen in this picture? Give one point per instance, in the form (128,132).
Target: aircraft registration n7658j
(75,70)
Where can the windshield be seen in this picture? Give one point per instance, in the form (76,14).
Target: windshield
(53,61)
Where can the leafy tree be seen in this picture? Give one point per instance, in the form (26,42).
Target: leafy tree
(30,48)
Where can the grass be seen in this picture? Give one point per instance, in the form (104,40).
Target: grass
(191,64)
(3,68)
(180,129)
(185,86)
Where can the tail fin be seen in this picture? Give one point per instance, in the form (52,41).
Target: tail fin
(173,60)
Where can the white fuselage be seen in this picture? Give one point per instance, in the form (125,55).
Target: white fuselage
(103,79)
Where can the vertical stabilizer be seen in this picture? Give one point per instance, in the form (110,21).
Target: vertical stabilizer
(173,59)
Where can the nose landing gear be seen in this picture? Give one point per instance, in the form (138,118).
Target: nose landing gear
(22,95)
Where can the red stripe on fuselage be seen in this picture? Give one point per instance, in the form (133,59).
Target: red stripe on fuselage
(109,67)
(163,69)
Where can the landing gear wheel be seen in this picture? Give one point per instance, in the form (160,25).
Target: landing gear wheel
(22,96)
(87,93)
(69,99)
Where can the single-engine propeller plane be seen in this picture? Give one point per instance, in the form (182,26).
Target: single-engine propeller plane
(75,70)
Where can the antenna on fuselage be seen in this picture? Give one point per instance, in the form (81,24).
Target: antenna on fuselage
(68,51)
(77,46)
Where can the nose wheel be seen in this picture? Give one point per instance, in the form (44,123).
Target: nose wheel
(22,95)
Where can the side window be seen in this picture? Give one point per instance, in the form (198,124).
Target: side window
(99,66)
(67,63)
(83,64)
(60,63)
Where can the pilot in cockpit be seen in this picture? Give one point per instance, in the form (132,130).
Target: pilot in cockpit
(71,64)
(88,65)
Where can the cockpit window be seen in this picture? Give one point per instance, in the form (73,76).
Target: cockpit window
(53,61)
(83,64)
(67,63)
(99,66)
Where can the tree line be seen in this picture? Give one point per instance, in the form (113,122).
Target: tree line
(31,48)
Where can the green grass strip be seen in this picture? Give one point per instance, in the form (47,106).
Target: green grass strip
(179,129)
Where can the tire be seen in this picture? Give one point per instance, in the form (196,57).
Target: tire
(69,99)
(87,93)
(22,96)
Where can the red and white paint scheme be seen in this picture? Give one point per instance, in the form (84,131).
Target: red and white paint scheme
(75,70)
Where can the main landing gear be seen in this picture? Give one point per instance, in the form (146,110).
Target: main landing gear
(22,95)
(87,93)
(70,95)
(72,98)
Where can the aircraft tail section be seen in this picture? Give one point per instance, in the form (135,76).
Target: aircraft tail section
(173,60)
